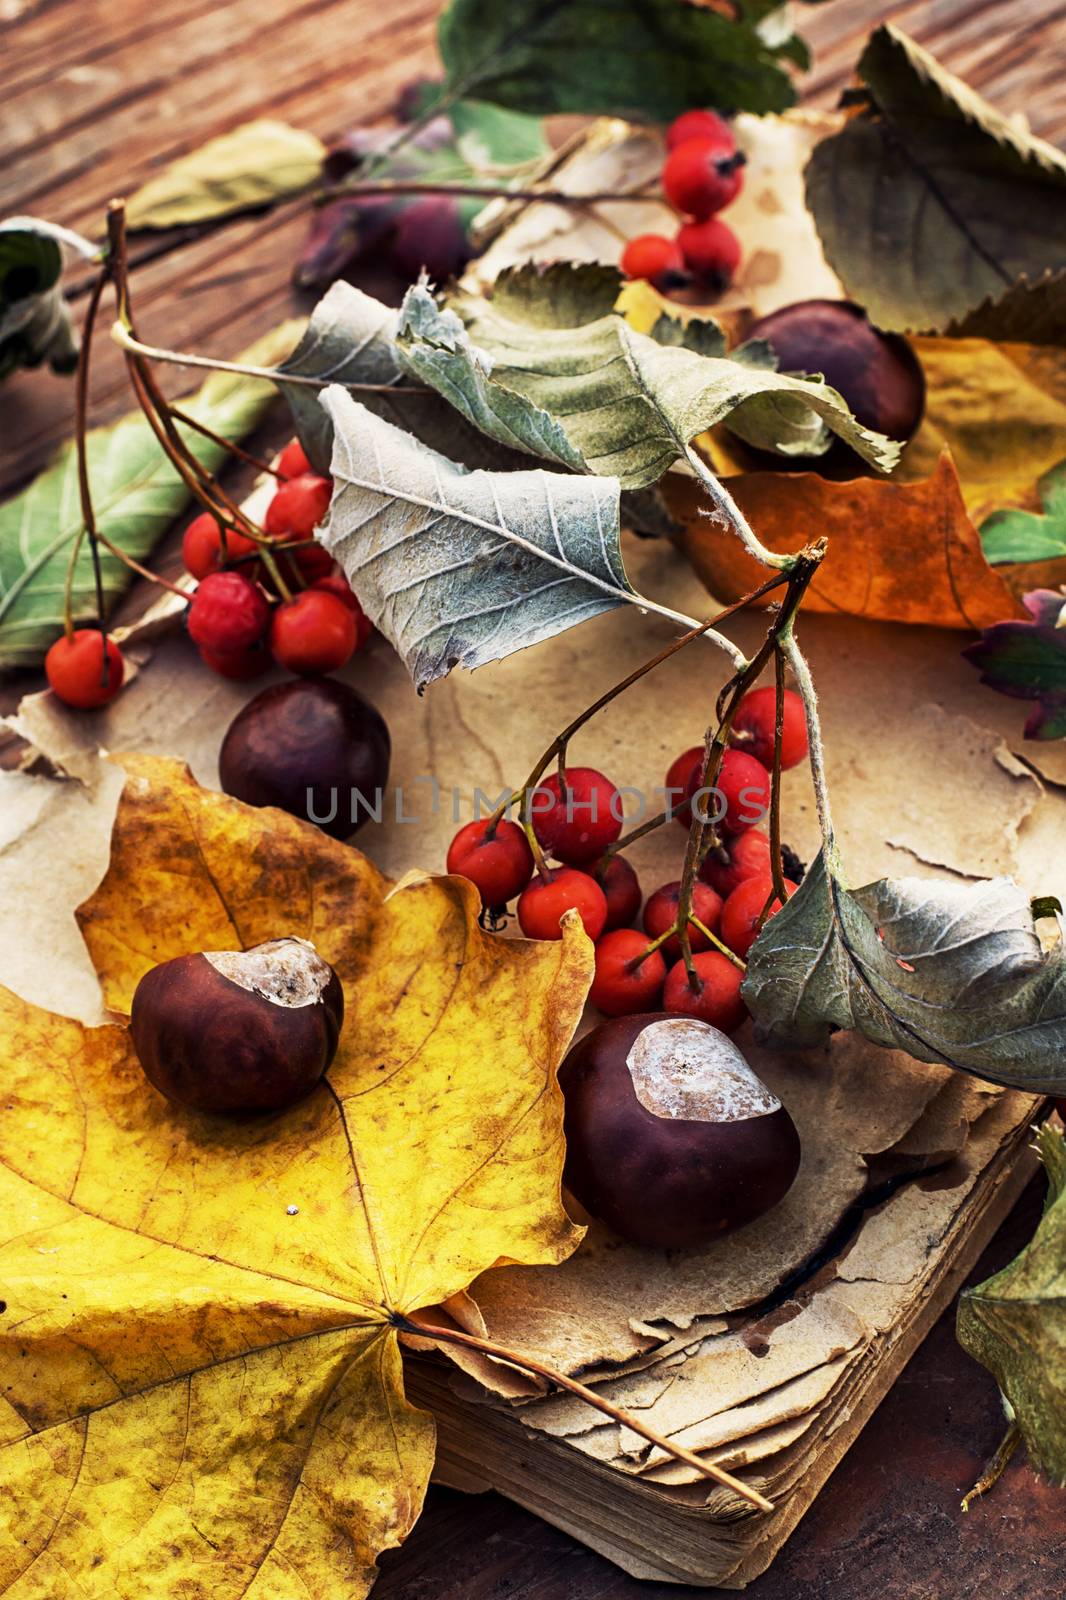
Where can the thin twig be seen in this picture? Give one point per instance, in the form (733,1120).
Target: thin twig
(127,341)
(731,513)
(805,684)
(359,187)
(777,871)
(540,1369)
(220,439)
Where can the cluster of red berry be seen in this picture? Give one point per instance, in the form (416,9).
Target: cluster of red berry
(237,617)
(579,826)
(702,174)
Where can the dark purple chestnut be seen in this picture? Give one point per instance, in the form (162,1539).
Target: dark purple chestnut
(238,1030)
(877,373)
(312,746)
(671,1139)
(430,236)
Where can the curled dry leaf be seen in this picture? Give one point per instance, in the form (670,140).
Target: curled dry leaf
(35,323)
(949,972)
(1015,1323)
(201,1386)
(898,552)
(252,165)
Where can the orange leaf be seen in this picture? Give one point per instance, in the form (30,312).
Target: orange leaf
(897,552)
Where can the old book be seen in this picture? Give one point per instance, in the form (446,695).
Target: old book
(777,1395)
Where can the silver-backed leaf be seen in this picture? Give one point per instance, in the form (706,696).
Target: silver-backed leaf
(456,567)
(950,972)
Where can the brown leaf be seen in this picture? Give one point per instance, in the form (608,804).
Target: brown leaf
(897,552)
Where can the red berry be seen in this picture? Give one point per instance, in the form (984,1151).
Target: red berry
(336,583)
(298,506)
(201,546)
(701,176)
(81,673)
(620,986)
(653,256)
(739,856)
(578,825)
(741,795)
(293,462)
(717,1000)
(711,250)
(621,887)
(681,774)
(315,632)
(706,125)
(743,908)
(499,863)
(755,720)
(660,913)
(240,665)
(228,612)
(543,902)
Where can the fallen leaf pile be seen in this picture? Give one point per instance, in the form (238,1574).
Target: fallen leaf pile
(202,1392)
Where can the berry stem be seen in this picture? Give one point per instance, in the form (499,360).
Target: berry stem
(227,444)
(359,187)
(803,568)
(723,949)
(708,627)
(540,1369)
(88,515)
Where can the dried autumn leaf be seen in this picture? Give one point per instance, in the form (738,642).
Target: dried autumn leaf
(252,165)
(950,972)
(461,568)
(628,404)
(1031,311)
(898,552)
(1015,1323)
(1000,410)
(35,323)
(1028,661)
(202,1390)
(928,200)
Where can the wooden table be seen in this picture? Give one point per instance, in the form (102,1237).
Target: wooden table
(96,95)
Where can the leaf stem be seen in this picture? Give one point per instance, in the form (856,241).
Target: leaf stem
(995,1466)
(541,1369)
(731,513)
(124,337)
(805,684)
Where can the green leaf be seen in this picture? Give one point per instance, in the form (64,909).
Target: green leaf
(644,58)
(461,568)
(136,496)
(491,137)
(1015,1323)
(949,972)
(928,201)
(34,320)
(253,165)
(1026,535)
(602,395)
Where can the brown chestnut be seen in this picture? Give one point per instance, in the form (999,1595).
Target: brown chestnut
(238,1030)
(877,373)
(313,747)
(671,1139)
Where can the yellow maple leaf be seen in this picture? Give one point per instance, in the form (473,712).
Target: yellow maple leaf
(200,1389)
